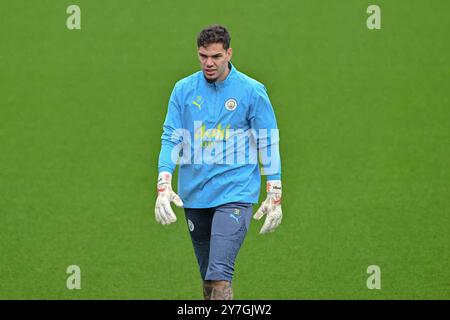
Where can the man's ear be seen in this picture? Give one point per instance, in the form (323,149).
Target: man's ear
(230,53)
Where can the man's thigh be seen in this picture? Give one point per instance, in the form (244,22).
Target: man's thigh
(230,224)
(199,223)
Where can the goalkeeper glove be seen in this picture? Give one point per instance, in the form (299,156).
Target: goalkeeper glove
(271,207)
(163,210)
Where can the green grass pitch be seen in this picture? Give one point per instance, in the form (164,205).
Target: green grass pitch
(364,119)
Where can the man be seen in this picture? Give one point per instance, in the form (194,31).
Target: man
(218,184)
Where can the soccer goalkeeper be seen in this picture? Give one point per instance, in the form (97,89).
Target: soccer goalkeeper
(221,130)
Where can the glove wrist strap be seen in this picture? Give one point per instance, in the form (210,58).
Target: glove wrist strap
(164,181)
(273,187)
(164,178)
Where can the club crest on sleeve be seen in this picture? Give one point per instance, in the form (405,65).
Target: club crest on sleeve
(231,104)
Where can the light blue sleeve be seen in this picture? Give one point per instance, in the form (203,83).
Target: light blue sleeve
(168,139)
(263,121)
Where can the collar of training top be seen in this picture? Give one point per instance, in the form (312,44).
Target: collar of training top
(225,82)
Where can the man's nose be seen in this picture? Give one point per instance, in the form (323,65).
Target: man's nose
(209,61)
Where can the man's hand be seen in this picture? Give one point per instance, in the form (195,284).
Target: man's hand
(163,210)
(271,206)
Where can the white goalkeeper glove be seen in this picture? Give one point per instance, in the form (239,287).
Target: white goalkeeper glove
(271,207)
(163,210)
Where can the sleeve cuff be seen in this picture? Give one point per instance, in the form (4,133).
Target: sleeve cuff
(274,177)
(164,168)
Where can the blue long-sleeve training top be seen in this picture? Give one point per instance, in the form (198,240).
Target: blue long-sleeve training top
(216,133)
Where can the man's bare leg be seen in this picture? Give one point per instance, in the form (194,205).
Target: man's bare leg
(217,290)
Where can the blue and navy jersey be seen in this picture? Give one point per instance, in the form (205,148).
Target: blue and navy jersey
(203,120)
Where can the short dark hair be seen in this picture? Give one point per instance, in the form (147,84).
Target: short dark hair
(214,34)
